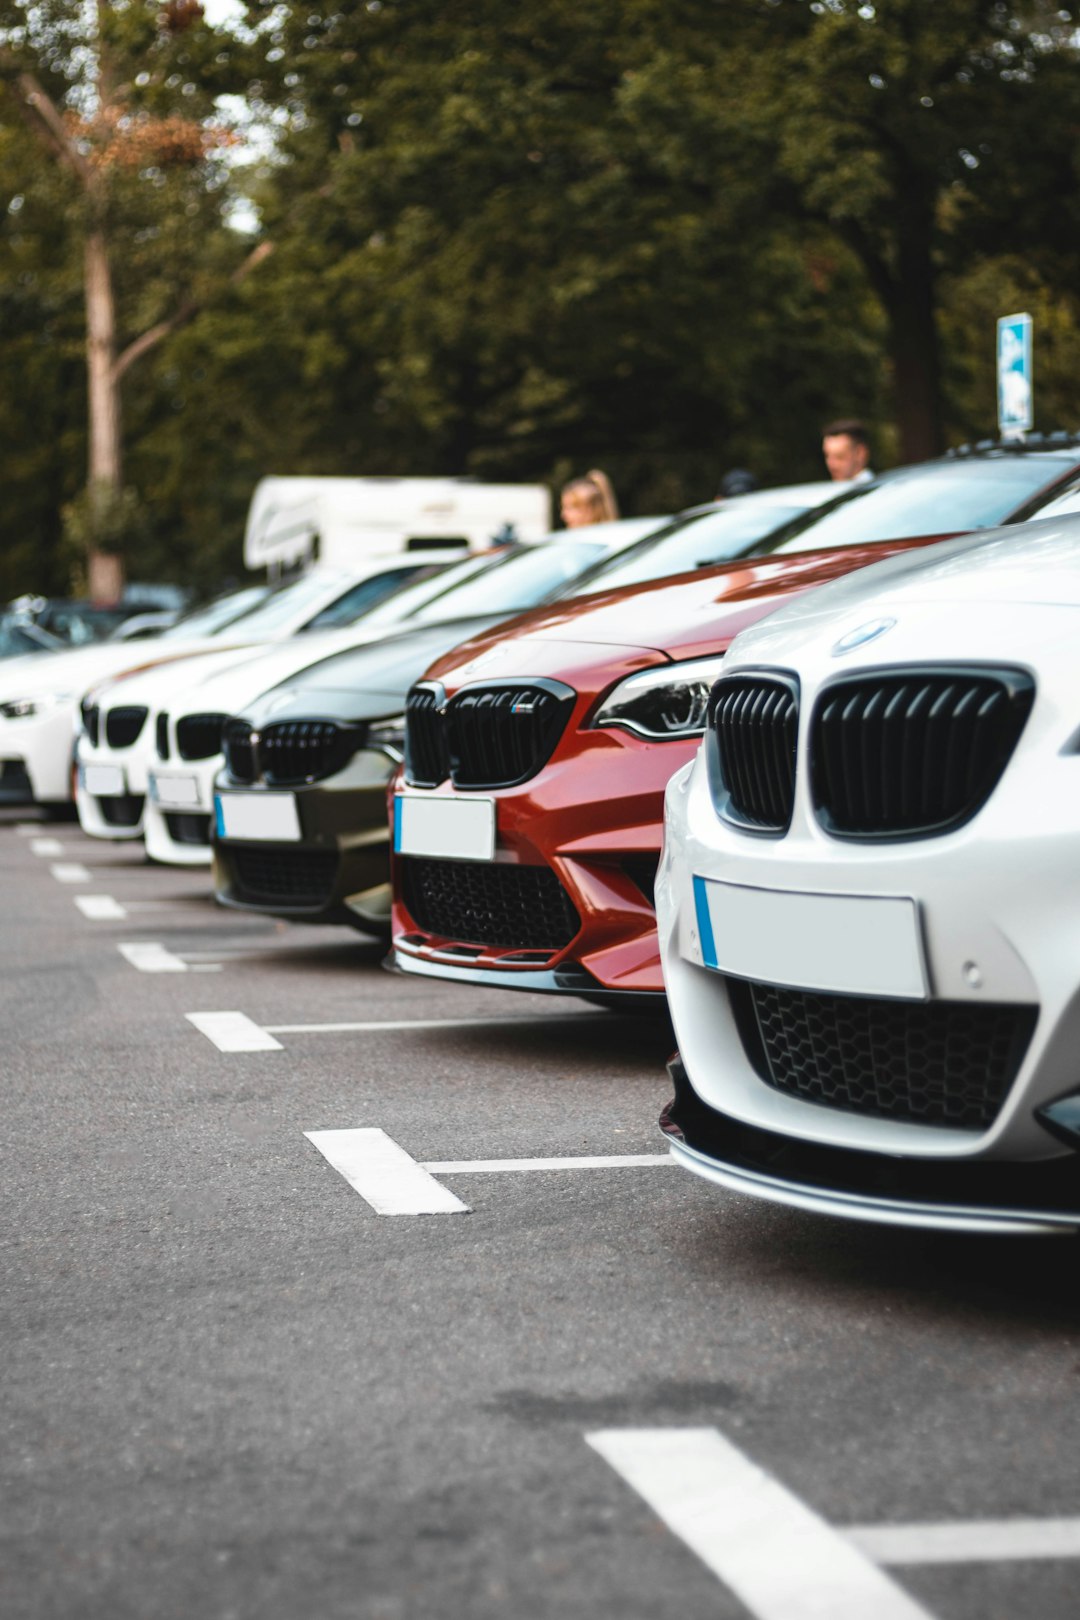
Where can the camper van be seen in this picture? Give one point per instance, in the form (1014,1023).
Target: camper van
(293,522)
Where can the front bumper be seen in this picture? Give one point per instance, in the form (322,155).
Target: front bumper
(588,822)
(117,814)
(36,756)
(339,869)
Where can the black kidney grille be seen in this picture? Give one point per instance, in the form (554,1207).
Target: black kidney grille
(915,751)
(490,903)
(239,751)
(933,1062)
(426,760)
(751,741)
(305,750)
(161,736)
(273,874)
(122,725)
(198,736)
(500,735)
(91,719)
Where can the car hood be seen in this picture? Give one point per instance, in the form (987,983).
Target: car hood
(83,667)
(691,616)
(367,683)
(972,582)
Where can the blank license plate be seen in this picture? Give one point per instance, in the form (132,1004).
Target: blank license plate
(180,792)
(270,816)
(456,829)
(861,945)
(103,781)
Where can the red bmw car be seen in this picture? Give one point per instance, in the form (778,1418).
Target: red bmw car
(528,824)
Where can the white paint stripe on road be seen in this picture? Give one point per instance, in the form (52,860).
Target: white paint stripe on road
(150,957)
(70,872)
(384,1175)
(424,1023)
(985,1541)
(233,1032)
(611,1161)
(47,846)
(778,1557)
(99,907)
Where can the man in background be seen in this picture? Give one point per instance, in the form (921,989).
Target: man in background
(845,444)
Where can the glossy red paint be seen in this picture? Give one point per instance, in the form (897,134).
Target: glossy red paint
(594,813)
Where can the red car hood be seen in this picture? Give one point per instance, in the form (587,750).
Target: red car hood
(690,616)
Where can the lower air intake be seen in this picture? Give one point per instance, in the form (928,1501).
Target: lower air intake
(490,903)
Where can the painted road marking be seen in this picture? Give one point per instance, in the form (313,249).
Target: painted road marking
(99,907)
(384,1175)
(70,872)
(424,1023)
(150,957)
(611,1161)
(779,1558)
(47,846)
(985,1541)
(233,1032)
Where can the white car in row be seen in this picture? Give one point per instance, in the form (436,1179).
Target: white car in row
(869,897)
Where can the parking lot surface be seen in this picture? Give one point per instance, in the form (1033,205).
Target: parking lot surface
(237,1385)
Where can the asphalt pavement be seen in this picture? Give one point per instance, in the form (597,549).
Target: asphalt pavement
(233,1388)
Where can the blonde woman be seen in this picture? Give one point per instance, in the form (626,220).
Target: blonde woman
(589,499)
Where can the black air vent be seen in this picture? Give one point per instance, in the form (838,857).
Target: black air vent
(91,719)
(910,753)
(161,737)
(275,874)
(122,725)
(305,750)
(750,745)
(934,1062)
(426,760)
(239,752)
(198,736)
(490,903)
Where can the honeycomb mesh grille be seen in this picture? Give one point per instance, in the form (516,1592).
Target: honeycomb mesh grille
(289,876)
(752,738)
(932,1062)
(123,725)
(490,903)
(913,752)
(198,736)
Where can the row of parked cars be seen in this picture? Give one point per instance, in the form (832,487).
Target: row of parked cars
(859,914)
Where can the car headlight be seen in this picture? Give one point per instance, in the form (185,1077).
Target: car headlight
(663,703)
(26,708)
(389,735)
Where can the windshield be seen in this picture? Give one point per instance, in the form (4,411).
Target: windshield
(940,497)
(1061,505)
(404,603)
(690,542)
(290,602)
(516,582)
(215,615)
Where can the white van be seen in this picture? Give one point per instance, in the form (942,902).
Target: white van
(294,521)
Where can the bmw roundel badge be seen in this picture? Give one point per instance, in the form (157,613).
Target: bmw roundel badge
(861,635)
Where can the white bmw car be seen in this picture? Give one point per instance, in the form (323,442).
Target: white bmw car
(869,898)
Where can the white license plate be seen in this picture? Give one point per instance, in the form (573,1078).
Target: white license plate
(861,945)
(456,829)
(104,781)
(270,816)
(174,792)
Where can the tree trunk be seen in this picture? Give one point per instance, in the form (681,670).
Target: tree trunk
(106,571)
(913,337)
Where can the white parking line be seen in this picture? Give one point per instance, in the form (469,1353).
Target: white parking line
(70,872)
(599,1161)
(980,1541)
(150,957)
(778,1557)
(384,1175)
(423,1023)
(100,907)
(47,846)
(233,1032)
